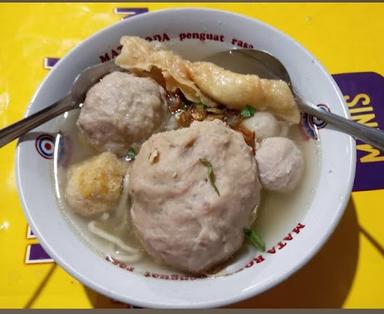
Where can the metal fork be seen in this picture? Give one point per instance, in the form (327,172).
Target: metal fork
(82,83)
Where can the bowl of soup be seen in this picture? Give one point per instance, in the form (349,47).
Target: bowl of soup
(179,183)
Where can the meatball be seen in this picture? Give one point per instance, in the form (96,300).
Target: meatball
(122,110)
(264,124)
(94,185)
(184,216)
(280,164)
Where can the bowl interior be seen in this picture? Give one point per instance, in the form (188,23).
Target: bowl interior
(302,231)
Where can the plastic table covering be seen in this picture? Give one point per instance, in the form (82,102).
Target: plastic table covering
(347,273)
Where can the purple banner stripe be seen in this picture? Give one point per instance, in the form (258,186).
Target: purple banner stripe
(50,62)
(128,12)
(364,95)
(37,253)
(30,234)
(131,10)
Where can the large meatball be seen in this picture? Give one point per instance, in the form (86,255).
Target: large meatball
(122,110)
(94,186)
(178,214)
(280,163)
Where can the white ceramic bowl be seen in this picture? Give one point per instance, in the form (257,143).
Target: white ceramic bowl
(337,165)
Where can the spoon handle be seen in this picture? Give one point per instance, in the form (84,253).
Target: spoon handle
(372,136)
(9,133)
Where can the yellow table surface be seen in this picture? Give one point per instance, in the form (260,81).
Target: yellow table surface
(348,272)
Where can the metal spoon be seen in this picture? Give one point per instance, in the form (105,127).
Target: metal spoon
(84,81)
(238,60)
(249,61)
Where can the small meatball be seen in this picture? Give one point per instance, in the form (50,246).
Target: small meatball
(264,124)
(122,110)
(179,216)
(94,185)
(280,164)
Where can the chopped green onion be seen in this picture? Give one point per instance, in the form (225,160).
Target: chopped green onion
(211,174)
(255,239)
(247,111)
(131,155)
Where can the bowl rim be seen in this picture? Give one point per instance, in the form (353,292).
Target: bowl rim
(323,238)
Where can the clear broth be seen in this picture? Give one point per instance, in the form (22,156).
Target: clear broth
(277,214)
